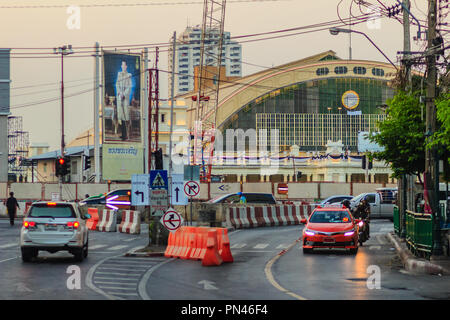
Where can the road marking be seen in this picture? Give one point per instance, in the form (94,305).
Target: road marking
(384,230)
(381,240)
(261,246)
(119,247)
(115,278)
(238,245)
(97,246)
(119,269)
(128,265)
(117,288)
(8,245)
(146,277)
(282,246)
(127,240)
(120,283)
(8,259)
(122,294)
(272,280)
(121,274)
(374,247)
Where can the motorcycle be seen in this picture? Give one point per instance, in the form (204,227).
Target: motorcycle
(363,234)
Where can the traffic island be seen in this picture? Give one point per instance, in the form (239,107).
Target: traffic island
(417,265)
(148,251)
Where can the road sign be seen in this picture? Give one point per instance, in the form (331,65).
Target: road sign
(191,188)
(158,179)
(191,173)
(172,220)
(140,195)
(158,201)
(178,198)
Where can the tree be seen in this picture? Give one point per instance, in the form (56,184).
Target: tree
(402,135)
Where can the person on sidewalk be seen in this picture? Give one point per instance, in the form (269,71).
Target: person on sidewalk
(11,207)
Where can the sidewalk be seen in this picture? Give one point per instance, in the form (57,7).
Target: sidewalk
(417,265)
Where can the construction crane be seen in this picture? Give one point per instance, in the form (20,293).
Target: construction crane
(208,78)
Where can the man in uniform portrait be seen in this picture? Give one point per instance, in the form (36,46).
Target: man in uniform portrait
(123,91)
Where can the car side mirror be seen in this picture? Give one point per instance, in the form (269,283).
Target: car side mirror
(303,221)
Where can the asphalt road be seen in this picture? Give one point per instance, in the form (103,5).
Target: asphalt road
(268,265)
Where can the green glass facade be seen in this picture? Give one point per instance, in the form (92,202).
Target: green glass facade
(310,113)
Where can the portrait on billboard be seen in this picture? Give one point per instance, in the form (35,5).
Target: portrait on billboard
(122,97)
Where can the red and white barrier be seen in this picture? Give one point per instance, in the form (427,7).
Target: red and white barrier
(131,222)
(266,216)
(108,221)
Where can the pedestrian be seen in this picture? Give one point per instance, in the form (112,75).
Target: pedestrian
(11,205)
(242,199)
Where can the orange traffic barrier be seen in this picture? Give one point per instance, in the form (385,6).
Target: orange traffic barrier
(212,256)
(188,239)
(170,245)
(91,223)
(224,245)
(201,238)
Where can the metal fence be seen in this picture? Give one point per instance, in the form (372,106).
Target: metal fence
(419,233)
(396,220)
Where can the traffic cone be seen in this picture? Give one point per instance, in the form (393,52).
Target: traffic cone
(212,256)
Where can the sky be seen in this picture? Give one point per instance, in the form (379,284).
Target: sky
(44,24)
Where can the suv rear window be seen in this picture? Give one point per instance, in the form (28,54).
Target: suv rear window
(330,217)
(54,211)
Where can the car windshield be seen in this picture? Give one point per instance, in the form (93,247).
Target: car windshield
(355,198)
(51,211)
(330,217)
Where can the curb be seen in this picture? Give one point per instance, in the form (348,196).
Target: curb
(413,264)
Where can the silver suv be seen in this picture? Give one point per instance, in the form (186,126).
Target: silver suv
(52,227)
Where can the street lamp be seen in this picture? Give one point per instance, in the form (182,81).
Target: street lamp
(63,51)
(335,31)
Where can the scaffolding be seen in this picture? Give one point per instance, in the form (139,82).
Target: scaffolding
(18,142)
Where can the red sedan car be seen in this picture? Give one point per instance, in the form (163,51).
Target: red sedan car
(330,227)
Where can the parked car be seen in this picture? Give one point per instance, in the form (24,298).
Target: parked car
(334,200)
(263,198)
(52,227)
(381,205)
(330,228)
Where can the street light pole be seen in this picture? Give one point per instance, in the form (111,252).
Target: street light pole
(336,31)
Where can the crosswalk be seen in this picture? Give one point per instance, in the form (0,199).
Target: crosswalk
(119,277)
(259,246)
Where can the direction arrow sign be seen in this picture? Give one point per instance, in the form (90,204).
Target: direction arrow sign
(179,198)
(172,220)
(191,188)
(139,189)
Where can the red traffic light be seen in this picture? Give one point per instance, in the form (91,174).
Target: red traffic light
(61,161)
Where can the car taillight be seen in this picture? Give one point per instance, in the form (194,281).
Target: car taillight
(72,224)
(28,224)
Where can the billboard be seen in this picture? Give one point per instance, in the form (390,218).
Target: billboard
(121,162)
(121,105)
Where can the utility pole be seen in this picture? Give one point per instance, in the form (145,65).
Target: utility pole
(63,51)
(97,93)
(431,161)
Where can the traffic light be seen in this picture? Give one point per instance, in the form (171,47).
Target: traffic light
(370,164)
(158,159)
(363,162)
(299,175)
(62,166)
(87,162)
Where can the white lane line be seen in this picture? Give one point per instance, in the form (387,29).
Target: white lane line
(127,240)
(116,288)
(9,245)
(121,274)
(238,245)
(261,246)
(119,283)
(120,269)
(97,246)
(114,278)
(374,247)
(119,247)
(282,246)
(128,265)
(8,259)
(122,294)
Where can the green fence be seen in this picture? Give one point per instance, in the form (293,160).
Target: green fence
(419,233)
(396,220)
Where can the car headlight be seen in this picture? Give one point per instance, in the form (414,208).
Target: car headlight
(349,233)
(309,232)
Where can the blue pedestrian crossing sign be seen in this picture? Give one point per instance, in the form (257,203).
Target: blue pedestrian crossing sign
(158,179)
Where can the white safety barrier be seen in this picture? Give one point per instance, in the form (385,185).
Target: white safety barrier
(108,221)
(266,216)
(131,222)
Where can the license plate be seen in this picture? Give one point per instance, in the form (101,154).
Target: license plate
(329,240)
(51,227)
